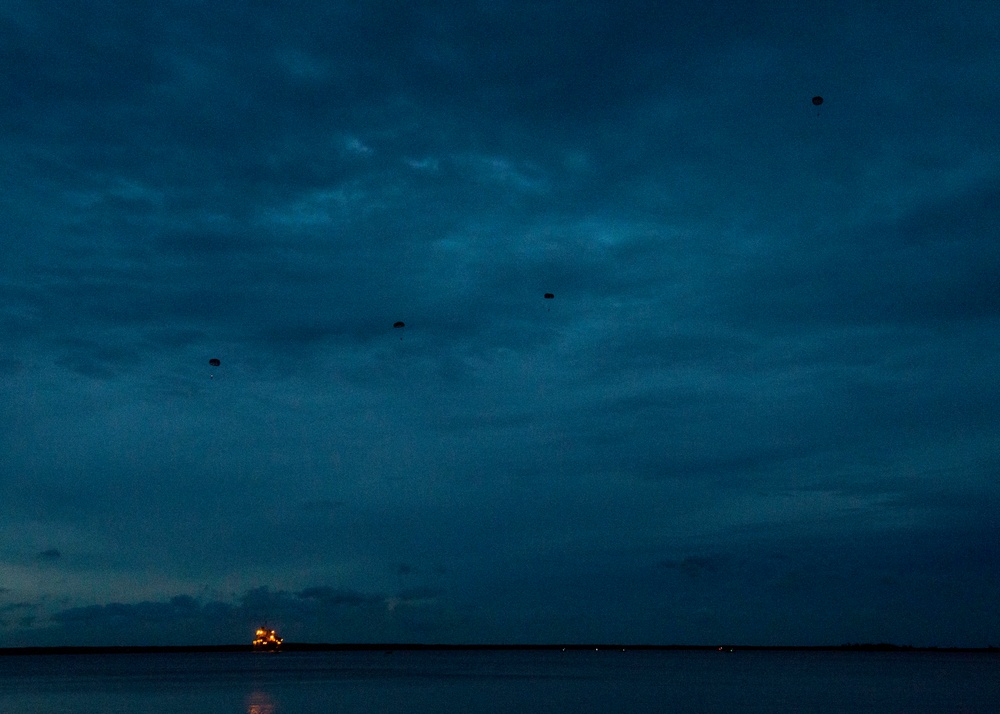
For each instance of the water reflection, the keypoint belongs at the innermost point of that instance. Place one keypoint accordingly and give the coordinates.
(260, 703)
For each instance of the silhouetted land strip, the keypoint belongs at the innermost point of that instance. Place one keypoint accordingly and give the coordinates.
(409, 646)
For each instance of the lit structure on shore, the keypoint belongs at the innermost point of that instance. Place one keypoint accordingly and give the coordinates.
(267, 640)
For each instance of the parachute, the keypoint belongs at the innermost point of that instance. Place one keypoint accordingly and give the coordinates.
(549, 296)
(214, 362)
(817, 100)
(399, 324)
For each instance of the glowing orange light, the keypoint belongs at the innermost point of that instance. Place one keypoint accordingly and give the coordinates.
(267, 639)
(260, 703)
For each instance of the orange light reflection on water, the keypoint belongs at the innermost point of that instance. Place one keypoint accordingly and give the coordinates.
(260, 703)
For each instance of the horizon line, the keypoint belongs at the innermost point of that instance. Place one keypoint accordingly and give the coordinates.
(389, 647)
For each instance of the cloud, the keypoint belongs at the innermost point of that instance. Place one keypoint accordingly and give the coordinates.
(921, 268)
(331, 596)
(764, 318)
(313, 614)
(694, 565)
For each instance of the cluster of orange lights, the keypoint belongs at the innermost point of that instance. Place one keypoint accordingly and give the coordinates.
(266, 638)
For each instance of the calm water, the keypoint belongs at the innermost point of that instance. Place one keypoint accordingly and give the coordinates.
(519, 682)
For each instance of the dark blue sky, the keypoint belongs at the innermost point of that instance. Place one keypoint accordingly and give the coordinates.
(761, 407)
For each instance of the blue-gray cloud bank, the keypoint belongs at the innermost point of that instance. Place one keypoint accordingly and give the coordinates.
(759, 407)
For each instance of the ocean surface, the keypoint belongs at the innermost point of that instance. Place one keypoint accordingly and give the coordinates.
(518, 682)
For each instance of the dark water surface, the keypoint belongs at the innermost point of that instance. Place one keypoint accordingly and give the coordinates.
(518, 682)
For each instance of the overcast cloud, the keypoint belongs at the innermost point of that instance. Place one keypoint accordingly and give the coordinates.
(761, 407)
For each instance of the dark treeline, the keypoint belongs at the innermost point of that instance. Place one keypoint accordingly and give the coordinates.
(403, 647)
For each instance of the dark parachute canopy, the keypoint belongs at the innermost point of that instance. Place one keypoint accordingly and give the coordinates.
(399, 324)
(817, 100)
(549, 296)
(214, 362)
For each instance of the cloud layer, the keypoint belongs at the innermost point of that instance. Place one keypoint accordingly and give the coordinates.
(765, 380)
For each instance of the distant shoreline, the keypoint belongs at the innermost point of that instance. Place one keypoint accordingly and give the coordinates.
(402, 647)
